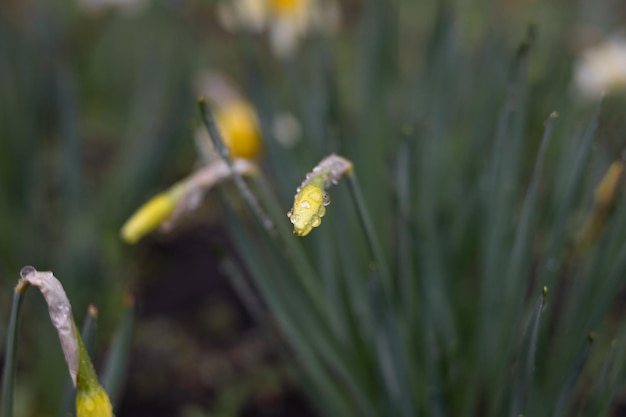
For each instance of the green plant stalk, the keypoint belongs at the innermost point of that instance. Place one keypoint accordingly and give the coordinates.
(8, 377)
(221, 149)
(88, 334)
(115, 368)
(565, 395)
(566, 201)
(372, 239)
(304, 271)
(406, 276)
(527, 360)
(314, 346)
(391, 356)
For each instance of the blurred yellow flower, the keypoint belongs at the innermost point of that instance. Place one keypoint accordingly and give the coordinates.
(608, 187)
(601, 69)
(287, 21)
(151, 215)
(93, 402)
(287, 6)
(605, 195)
(239, 127)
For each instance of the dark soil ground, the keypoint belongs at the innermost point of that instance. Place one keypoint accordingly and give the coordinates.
(196, 350)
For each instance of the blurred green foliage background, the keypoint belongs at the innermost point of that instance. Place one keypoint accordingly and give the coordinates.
(97, 113)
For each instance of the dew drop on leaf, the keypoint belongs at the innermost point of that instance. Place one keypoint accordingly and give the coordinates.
(27, 271)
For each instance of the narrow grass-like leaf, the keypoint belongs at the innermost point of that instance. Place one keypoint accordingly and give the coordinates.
(313, 373)
(609, 379)
(391, 356)
(518, 263)
(406, 279)
(302, 327)
(527, 360)
(8, 375)
(498, 204)
(216, 138)
(292, 249)
(301, 266)
(518, 269)
(116, 363)
(375, 247)
(565, 395)
(558, 234)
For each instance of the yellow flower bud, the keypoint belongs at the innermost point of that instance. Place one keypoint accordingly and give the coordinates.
(151, 215)
(606, 190)
(93, 402)
(309, 204)
(308, 209)
(285, 7)
(605, 195)
(239, 128)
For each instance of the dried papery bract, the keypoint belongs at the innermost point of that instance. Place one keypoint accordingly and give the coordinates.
(202, 181)
(311, 197)
(91, 399)
(60, 312)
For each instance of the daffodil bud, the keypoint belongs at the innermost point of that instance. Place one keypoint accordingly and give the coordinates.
(93, 403)
(605, 195)
(239, 128)
(167, 208)
(308, 209)
(607, 189)
(311, 199)
(149, 216)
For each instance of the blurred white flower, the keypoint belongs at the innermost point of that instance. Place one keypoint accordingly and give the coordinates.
(286, 129)
(235, 15)
(601, 69)
(287, 21)
(127, 7)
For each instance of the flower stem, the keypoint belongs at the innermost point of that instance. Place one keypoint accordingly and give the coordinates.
(8, 377)
(222, 150)
(292, 252)
(372, 238)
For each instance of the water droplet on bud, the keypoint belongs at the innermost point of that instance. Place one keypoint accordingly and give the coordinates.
(315, 221)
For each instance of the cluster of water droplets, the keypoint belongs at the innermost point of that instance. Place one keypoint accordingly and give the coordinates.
(310, 208)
